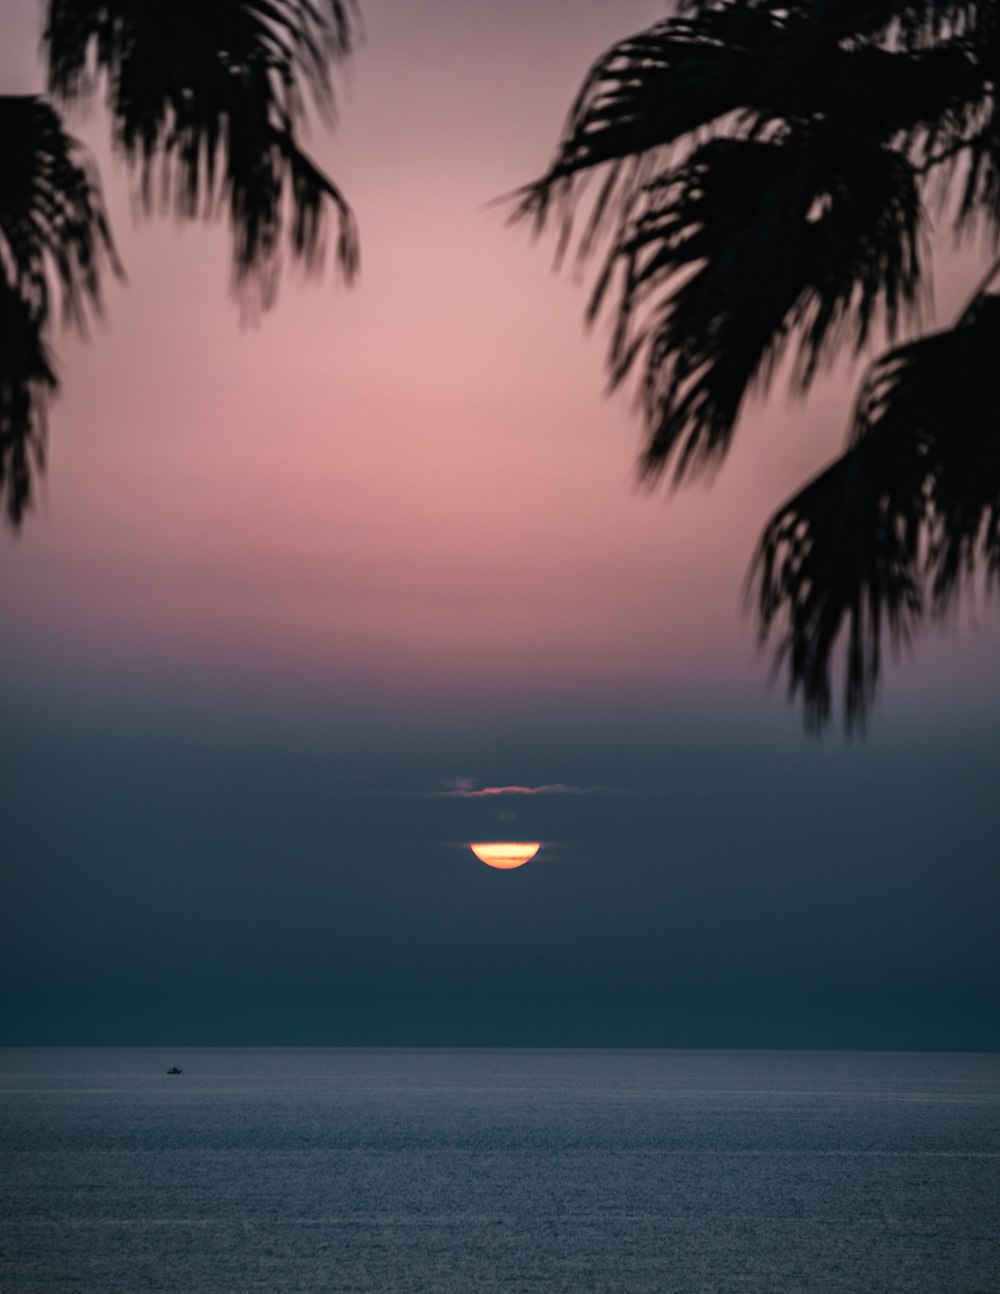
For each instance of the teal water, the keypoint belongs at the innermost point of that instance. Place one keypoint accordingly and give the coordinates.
(460, 1172)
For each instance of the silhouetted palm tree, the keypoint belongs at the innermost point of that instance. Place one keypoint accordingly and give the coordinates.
(765, 170)
(207, 101)
(54, 237)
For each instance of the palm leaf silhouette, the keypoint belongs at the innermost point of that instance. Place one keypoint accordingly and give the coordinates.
(54, 241)
(896, 526)
(207, 103)
(821, 240)
(765, 171)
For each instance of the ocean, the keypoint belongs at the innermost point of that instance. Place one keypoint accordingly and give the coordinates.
(467, 1171)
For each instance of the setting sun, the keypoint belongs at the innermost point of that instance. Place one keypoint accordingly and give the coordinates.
(505, 854)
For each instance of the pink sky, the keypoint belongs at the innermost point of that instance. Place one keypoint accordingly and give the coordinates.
(418, 479)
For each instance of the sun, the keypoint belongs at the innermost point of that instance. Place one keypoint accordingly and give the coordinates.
(506, 854)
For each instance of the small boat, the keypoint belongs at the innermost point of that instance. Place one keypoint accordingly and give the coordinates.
(173, 1070)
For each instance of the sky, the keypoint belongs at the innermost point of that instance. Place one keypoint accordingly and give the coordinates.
(289, 582)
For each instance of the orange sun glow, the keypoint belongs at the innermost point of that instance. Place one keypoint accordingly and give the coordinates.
(505, 854)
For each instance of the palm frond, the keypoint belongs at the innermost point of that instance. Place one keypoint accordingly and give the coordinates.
(912, 22)
(711, 288)
(764, 168)
(980, 200)
(950, 391)
(644, 95)
(54, 238)
(736, 66)
(762, 175)
(207, 104)
(27, 380)
(897, 526)
(839, 562)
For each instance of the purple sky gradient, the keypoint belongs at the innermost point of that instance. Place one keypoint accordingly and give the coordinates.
(417, 483)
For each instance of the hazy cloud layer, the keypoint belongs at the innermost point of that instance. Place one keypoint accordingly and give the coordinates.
(464, 788)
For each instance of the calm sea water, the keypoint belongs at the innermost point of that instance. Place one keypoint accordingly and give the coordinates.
(460, 1172)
